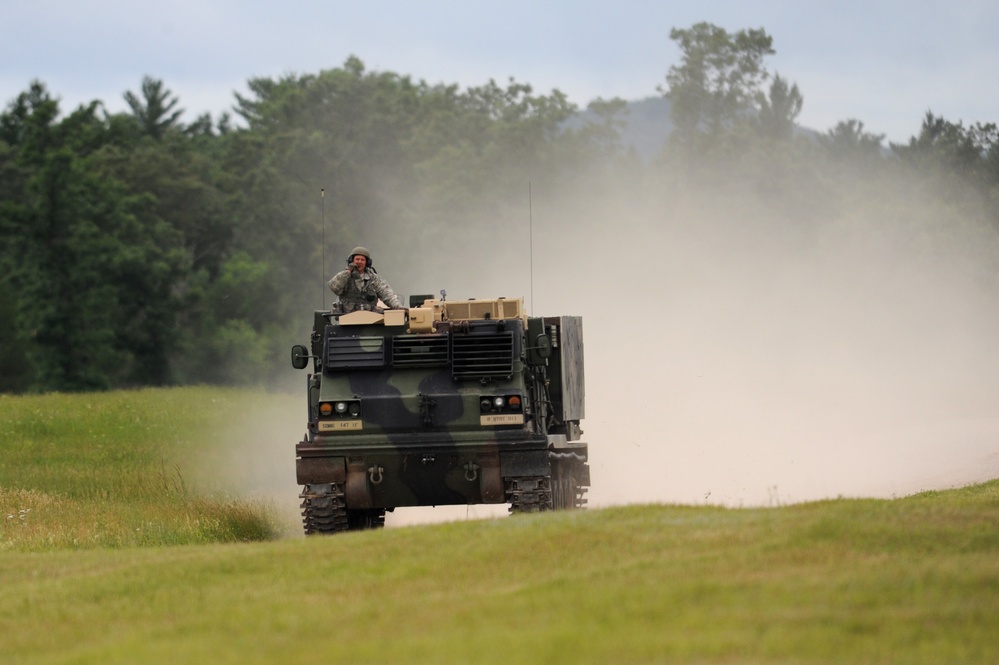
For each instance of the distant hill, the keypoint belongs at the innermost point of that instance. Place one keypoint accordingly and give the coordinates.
(648, 125)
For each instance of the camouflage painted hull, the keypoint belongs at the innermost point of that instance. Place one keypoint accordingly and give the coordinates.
(429, 408)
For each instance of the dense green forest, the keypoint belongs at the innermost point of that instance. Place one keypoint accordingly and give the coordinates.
(140, 250)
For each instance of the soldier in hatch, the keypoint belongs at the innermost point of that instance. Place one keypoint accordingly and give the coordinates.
(360, 287)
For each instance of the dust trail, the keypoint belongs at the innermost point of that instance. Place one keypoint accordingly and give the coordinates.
(737, 357)
(753, 344)
(252, 455)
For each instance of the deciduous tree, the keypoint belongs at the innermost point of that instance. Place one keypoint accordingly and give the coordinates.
(718, 82)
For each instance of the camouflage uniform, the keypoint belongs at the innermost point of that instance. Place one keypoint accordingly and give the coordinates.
(362, 290)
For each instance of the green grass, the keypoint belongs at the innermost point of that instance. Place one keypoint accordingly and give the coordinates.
(112, 470)
(910, 580)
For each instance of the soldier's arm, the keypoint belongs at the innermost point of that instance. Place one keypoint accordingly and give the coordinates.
(387, 295)
(339, 282)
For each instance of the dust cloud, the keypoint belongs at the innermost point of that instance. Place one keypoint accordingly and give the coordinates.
(750, 345)
(744, 358)
(746, 343)
(251, 453)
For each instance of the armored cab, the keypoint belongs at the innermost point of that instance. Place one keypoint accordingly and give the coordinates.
(448, 402)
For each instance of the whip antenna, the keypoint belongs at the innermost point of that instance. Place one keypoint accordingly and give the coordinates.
(322, 280)
(530, 217)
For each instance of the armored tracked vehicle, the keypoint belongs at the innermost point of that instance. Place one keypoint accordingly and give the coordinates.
(444, 403)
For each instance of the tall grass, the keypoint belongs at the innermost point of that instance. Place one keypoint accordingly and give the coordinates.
(105, 470)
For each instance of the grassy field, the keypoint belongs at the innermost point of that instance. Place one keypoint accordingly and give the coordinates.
(122, 469)
(910, 580)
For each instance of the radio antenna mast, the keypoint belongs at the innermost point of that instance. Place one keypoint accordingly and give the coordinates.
(322, 278)
(530, 217)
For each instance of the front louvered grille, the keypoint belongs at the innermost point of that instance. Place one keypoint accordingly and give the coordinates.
(484, 355)
(355, 352)
(419, 351)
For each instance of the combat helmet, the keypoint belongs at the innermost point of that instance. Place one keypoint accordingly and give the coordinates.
(363, 251)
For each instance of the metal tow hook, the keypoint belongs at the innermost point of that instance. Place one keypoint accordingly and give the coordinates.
(471, 471)
(376, 474)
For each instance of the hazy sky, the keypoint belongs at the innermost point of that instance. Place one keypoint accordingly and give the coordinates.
(885, 62)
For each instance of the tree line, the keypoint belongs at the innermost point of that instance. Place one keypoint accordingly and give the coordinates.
(140, 250)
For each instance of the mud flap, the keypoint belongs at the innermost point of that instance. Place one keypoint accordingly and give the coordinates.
(320, 470)
(526, 463)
